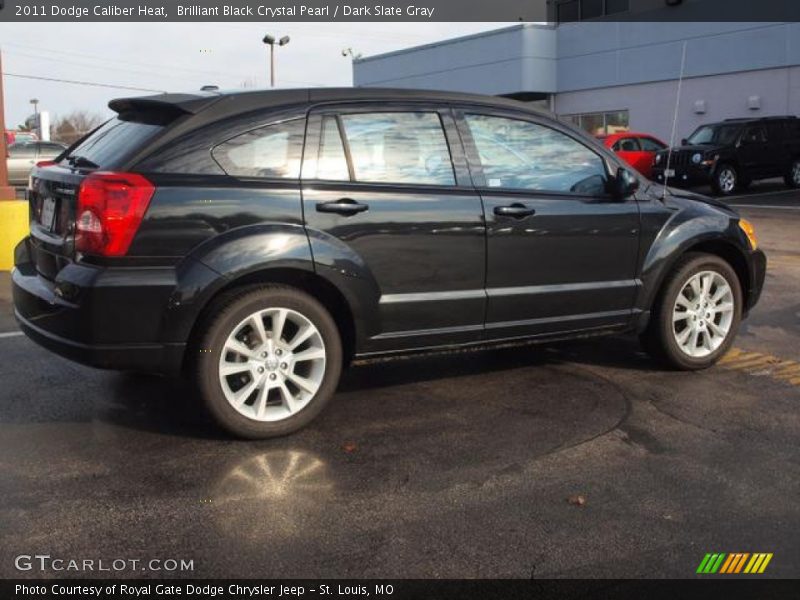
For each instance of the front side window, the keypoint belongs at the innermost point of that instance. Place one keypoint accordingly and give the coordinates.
(627, 145)
(272, 152)
(398, 147)
(651, 145)
(518, 154)
(719, 134)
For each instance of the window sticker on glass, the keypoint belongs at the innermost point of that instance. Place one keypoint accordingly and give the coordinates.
(494, 182)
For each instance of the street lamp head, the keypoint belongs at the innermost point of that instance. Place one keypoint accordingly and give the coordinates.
(268, 39)
(34, 101)
(284, 40)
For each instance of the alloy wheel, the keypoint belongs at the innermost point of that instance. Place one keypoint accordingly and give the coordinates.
(703, 314)
(272, 364)
(727, 180)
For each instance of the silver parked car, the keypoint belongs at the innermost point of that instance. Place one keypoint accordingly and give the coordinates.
(23, 156)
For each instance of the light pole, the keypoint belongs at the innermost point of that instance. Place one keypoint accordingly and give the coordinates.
(271, 41)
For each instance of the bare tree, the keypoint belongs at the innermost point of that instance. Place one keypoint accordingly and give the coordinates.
(74, 125)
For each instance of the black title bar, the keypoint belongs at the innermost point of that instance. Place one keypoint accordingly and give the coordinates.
(397, 10)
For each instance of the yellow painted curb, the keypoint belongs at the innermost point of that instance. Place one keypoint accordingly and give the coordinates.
(13, 227)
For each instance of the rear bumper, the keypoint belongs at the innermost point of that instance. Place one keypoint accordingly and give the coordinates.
(161, 358)
(102, 317)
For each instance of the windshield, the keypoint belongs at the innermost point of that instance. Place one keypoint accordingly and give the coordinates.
(715, 134)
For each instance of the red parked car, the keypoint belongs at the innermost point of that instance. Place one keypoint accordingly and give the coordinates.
(637, 149)
(16, 137)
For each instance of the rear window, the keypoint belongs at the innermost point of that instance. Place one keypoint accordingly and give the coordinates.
(114, 140)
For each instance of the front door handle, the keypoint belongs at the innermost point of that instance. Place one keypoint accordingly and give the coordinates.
(516, 210)
(344, 206)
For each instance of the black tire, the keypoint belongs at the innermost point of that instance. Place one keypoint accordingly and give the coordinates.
(792, 176)
(659, 338)
(720, 182)
(224, 316)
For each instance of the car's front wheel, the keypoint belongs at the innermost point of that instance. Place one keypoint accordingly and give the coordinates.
(268, 361)
(698, 313)
(725, 180)
(792, 177)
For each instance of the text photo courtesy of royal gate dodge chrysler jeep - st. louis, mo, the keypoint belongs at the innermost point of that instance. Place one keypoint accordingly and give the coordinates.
(356, 301)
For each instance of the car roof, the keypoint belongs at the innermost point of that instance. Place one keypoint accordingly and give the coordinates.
(613, 137)
(240, 101)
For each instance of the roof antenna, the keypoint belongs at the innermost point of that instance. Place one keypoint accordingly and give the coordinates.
(674, 123)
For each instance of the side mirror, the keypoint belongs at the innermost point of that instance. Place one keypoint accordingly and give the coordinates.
(684, 142)
(625, 183)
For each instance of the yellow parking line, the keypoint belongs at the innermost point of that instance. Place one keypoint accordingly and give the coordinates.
(751, 362)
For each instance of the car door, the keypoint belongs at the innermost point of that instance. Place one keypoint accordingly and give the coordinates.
(754, 153)
(629, 150)
(21, 159)
(561, 251)
(650, 146)
(387, 197)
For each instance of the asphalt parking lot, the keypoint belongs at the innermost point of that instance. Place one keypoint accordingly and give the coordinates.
(567, 460)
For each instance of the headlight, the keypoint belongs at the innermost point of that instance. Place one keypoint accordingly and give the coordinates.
(658, 158)
(697, 158)
(749, 231)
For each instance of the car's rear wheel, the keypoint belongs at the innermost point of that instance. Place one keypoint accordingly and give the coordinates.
(698, 313)
(268, 361)
(792, 176)
(725, 180)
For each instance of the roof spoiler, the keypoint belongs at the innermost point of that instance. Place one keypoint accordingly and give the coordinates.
(171, 105)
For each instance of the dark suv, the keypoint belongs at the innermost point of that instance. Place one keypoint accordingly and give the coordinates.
(731, 154)
(258, 241)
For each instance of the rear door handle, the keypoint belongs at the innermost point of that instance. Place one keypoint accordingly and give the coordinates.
(344, 206)
(515, 210)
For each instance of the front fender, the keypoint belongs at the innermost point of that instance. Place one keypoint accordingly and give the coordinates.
(686, 225)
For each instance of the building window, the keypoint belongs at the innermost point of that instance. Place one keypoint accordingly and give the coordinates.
(582, 10)
(600, 123)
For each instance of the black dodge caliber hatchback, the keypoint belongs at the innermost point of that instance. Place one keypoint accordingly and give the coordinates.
(258, 241)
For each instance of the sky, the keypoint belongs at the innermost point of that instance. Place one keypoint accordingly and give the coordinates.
(186, 56)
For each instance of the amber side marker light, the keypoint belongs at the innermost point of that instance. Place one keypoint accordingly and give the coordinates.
(749, 231)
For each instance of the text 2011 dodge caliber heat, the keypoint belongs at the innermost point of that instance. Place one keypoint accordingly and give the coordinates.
(256, 242)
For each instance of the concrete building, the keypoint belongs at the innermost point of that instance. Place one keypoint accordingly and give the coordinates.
(608, 76)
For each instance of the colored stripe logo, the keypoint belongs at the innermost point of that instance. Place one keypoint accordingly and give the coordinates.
(734, 563)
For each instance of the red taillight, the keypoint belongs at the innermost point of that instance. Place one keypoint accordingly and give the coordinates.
(110, 210)
(45, 163)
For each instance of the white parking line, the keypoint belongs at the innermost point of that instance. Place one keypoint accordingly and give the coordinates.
(765, 206)
(9, 334)
(772, 193)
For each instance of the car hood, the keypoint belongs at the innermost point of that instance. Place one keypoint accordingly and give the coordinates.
(702, 148)
(680, 194)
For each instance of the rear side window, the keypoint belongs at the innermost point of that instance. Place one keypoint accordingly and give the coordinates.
(22, 150)
(114, 140)
(272, 152)
(331, 160)
(398, 147)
